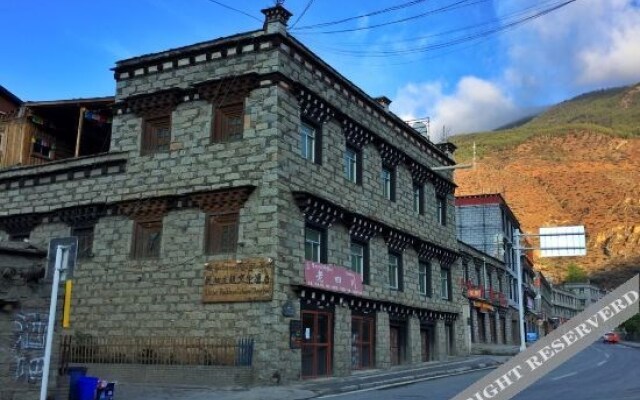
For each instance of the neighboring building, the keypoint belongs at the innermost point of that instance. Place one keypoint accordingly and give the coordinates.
(40, 132)
(9, 102)
(565, 305)
(586, 293)
(492, 320)
(250, 191)
(486, 223)
(24, 311)
(544, 299)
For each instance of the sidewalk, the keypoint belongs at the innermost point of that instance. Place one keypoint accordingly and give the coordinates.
(309, 389)
(630, 344)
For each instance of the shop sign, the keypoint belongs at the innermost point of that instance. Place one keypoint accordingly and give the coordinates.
(483, 307)
(238, 280)
(332, 277)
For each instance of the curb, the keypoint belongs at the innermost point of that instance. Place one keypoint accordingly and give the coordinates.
(404, 380)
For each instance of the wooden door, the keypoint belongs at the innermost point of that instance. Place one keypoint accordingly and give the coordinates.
(317, 343)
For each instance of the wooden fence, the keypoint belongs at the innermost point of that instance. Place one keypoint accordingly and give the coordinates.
(155, 350)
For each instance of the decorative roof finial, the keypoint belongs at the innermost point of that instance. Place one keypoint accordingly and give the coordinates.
(276, 18)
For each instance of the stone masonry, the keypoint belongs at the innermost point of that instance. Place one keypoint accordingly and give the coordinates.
(115, 295)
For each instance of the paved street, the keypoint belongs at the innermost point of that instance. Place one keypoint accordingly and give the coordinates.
(600, 372)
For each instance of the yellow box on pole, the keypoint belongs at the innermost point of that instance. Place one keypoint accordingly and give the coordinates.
(66, 312)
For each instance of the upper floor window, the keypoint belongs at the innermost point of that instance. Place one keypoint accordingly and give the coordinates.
(445, 283)
(395, 271)
(85, 241)
(147, 236)
(352, 165)
(310, 142)
(424, 278)
(315, 244)
(360, 259)
(156, 135)
(418, 198)
(388, 183)
(229, 123)
(442, 209)
(222, 233)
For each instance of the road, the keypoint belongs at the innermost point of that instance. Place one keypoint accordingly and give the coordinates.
(600, 372)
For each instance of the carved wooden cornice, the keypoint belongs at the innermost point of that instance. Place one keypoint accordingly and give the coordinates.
(228, 200)
(149, 104)
(355, 134)
(363, 228)
(318, 211)
(82, 215)
(398, 241)
(227, 89)
(390, 155)
(313, 107)
(20, 224)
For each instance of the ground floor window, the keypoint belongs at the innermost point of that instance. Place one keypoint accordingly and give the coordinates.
(317, 343)
(492, 328)
(482, 328)
(362, 341)
(503, 326)
(449, 338)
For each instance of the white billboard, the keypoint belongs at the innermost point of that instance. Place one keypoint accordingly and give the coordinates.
(563, 241)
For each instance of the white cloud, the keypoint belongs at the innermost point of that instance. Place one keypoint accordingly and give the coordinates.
(475, 105)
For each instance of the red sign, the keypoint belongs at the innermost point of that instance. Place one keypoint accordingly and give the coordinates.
(332, 277)
(474, 293)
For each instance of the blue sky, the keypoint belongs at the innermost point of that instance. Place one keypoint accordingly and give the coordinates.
(65, 49)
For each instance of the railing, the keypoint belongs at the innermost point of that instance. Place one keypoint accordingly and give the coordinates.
(156, 350)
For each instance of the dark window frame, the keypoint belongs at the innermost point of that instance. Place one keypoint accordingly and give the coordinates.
(86, 238)
(357, 179)
(222, 131)
(392, 182)
(151, 142)
(420, 189)
(140, 240)
(441, 209)
(400, 273)
(215, 233)
(365, 258)
(449, 296)
(323, 242)
(428, 278)
(317, 140)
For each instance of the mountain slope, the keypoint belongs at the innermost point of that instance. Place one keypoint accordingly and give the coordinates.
(577, 163)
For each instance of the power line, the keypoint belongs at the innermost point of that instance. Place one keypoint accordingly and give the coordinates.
(377, 12)
(235, 9)
(452, 6)
(309, 3)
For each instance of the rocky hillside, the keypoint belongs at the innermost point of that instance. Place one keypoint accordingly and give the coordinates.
(577, 163)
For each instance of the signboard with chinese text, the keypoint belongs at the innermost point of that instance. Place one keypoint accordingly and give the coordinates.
(332, 277)
(238, 280)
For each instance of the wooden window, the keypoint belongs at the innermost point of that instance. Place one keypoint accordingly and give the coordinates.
(85, 241)
(310, 142)
(353, 165)
(156, 136)
(147, 237)
(442, 209)
(222, 234)
(424, 278)
(229, 123)
(360, 259)
(395, 271)
(445, 283)
(418, 198)
(362, 342)
(388, 177)
(315, 244)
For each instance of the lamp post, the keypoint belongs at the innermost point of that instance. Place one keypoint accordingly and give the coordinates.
(518, 251)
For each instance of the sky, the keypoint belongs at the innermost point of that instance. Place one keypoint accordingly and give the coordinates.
(467, 65)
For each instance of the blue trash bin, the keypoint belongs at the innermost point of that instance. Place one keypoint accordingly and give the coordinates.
(75, 373)
(87, 386)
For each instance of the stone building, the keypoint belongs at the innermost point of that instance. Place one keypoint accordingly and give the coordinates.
(586, 293)
(544, 299)
(494, 324)
(251, 191)
(565, 305)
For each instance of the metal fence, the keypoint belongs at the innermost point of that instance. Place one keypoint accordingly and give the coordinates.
(156, 350)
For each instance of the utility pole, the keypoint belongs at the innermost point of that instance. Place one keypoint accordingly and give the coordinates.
(518, 250)
(62, 258)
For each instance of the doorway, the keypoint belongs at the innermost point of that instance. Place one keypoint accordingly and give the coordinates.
(398, 342)
(427, 340)
(317, 343)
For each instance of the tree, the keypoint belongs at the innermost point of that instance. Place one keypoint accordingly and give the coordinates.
(632, 327)
(575, 274)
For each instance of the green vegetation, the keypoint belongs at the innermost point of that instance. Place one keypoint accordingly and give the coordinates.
(575, 274)
(632, 327)
(612, 112)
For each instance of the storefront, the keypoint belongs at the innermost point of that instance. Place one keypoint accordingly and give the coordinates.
(363, 336)
(317, 341)
(427, 341)
(398, 340)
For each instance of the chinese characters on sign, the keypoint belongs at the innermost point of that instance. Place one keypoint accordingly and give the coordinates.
(29, 333)
(332, 277)
(231, 281)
